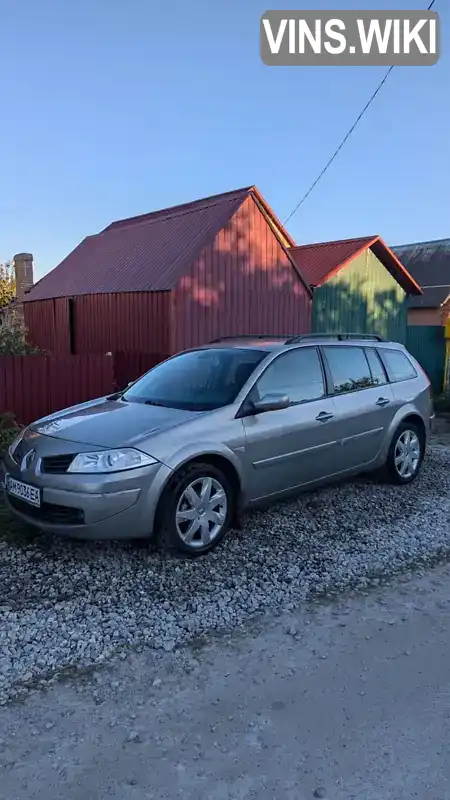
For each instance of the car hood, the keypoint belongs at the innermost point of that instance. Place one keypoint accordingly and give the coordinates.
(111, 423)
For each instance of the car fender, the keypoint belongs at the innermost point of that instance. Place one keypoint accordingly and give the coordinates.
(206, 448)
(181, 457)
(399, 416)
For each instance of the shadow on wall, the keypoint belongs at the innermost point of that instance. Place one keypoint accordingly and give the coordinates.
(242, 283)
(341, 307)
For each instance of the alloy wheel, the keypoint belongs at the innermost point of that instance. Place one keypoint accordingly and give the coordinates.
(201, 512)
(407, 454)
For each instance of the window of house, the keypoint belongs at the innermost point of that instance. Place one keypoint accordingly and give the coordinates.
(376, 367)
(398, 365)
(297, 373)
(349, 368)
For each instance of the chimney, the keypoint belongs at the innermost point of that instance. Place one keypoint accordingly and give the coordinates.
(23, 268)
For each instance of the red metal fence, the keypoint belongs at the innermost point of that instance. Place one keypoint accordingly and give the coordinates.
(129, 366)
(34, 386)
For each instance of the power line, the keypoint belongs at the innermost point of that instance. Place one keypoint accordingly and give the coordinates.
(347, 136)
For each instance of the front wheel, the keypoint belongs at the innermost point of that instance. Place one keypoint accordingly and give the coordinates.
(196, 510)
(405, 454)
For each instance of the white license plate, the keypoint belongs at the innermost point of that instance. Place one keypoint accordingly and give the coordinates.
(29, 494)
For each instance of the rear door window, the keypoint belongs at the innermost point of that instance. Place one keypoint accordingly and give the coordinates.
(398, 365)
(349, 368)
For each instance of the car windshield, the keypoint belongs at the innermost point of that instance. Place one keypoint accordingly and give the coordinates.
(199, 380)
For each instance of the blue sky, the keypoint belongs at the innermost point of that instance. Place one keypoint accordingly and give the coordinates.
(111, 109)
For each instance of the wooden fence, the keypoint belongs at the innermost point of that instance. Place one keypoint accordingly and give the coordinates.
(34, 386)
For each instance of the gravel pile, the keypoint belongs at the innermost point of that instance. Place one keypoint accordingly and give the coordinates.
(65, 606)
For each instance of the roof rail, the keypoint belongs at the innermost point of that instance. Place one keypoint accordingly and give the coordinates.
(339, 336)
(273, 336)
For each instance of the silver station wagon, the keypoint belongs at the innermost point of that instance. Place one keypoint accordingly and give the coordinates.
(181, 451)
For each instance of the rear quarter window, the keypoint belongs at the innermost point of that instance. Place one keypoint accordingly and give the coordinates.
(398, 365)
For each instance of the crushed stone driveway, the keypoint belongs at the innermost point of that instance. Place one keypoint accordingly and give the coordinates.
(65, 607)
(348, 700)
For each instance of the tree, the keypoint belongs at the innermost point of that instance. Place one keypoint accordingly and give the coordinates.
(7, 283)
(13, 337)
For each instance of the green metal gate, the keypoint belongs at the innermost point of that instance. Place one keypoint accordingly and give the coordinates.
(427, 344)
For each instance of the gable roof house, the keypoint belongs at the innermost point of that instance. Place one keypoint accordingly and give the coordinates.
(360, 286)
(173, 279)
(429, 262)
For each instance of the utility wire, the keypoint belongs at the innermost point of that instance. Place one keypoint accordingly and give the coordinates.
(346, 137)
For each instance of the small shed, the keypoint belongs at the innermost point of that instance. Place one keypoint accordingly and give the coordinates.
(429, 263)
(428, 314)
(173, 279)
(359, 285)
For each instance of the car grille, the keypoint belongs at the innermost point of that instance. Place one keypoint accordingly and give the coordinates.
(49, 512)
(56, 465)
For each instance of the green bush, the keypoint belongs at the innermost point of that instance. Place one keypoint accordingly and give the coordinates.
(8, 430)
(13, 337)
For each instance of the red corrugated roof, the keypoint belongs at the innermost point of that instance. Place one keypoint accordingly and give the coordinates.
(141, 254)
(319, 262)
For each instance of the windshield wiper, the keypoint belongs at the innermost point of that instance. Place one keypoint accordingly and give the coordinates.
(117, 396)
(153, 403)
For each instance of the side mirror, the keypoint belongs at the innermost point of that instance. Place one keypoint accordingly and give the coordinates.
(270, 402)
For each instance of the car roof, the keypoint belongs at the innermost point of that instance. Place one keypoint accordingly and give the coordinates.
(275, 343)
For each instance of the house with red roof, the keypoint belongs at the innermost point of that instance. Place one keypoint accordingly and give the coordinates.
(174, 279)
(429, 263)
(359, 285)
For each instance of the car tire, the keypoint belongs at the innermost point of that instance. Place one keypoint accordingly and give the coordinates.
(186, 520)
(406, 454)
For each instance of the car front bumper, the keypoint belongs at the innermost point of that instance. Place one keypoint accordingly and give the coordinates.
(116, 506)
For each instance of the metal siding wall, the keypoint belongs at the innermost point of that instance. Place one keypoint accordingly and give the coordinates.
(427, 344)
(134, 321)
(363, 297)
(40, 322)
(242, 283)
(62, 331)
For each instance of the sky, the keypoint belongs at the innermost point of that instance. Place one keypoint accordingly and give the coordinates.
(111, 109)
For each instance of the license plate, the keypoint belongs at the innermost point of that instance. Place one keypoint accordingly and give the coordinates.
(29, 494)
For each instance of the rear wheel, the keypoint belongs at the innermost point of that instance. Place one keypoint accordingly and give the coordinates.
(196, 510)
(405, 453)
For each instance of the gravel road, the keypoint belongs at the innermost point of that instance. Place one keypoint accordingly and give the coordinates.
(69, 606)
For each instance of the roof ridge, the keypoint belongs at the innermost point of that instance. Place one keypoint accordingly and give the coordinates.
(180, 208)
(339, 241)
(416, 244)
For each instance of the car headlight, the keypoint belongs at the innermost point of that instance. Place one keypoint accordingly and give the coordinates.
(111, 461)
(15, 442)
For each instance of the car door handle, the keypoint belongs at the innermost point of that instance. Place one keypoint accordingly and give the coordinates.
(382, 401)
(324, 417)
